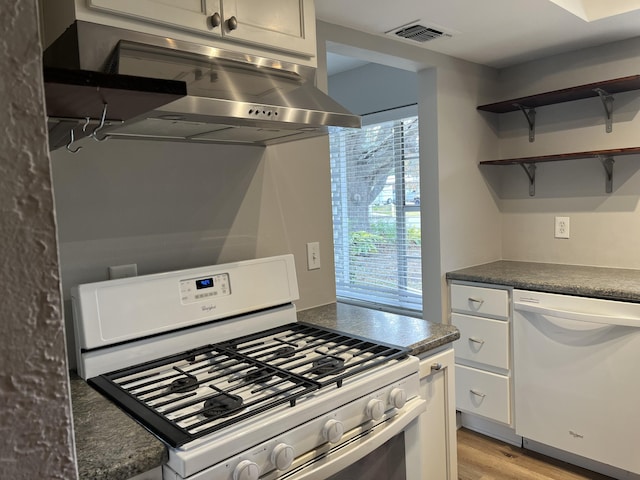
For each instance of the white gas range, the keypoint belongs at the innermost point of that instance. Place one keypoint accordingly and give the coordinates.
(213, 362)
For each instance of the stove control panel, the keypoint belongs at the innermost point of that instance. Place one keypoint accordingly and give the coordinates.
(207, 287)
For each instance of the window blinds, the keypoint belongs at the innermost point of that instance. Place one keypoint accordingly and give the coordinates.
(376, 213)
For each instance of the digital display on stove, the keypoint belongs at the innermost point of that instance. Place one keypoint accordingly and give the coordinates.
(204, 283)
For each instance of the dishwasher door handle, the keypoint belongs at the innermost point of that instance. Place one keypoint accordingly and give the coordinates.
(578, 316)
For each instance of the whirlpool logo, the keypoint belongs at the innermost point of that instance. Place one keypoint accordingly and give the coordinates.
(207, 308)
(529, 300)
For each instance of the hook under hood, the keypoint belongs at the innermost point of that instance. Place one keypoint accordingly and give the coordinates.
(230, 97)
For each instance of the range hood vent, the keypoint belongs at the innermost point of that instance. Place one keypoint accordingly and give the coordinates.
(418, 33)
(231, 97)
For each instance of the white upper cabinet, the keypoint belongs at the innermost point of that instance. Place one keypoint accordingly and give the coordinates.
(285, 25)
(195, 15)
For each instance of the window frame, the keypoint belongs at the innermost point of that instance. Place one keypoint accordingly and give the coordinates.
(370, 295)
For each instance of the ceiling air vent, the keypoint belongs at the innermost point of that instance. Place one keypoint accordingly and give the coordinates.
(418, 33)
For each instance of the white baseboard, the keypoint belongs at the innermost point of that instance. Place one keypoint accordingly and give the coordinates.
(491, 429)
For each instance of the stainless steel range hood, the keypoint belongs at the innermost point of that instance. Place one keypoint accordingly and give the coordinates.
(231, 97)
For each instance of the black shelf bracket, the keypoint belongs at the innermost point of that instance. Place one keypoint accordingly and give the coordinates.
(607, 163)
(530, 170)
(607, 103)
(530, 115)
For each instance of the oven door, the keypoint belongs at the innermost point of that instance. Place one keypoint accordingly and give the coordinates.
(388, 451)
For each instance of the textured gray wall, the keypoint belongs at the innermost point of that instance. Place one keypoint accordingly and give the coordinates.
(36, 439)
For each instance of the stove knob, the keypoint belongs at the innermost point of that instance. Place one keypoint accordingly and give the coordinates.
(282, 456)
(332, 431)
(398, 397)
(375, 409)
(246, 470)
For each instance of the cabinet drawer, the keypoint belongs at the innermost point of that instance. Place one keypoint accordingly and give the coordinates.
(480, 301)
(482, 340)
(483, 393)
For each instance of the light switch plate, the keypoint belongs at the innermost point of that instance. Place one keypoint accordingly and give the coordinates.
(313, 255)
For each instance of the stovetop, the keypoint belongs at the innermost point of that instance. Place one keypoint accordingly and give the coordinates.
(188, 395)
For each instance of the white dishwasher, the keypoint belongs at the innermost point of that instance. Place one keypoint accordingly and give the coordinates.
(577, 375)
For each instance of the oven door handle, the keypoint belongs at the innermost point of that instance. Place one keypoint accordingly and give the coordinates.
(344, 455)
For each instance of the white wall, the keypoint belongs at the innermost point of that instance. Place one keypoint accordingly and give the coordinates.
(374, 88)
(167, 206)
(37, 435)
(604, 227)
(465, 208)
(461, 223)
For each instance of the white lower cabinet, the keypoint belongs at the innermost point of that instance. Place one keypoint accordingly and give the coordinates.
(438, 423)
(483, 393)
(483, 352)
(482, 340)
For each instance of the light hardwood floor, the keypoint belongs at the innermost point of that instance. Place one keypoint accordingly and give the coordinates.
(484, 458)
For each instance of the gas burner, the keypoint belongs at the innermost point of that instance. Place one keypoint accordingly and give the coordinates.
(283, 352)
(183, 385)
(325, 365)
(221, 405)
(258, 374)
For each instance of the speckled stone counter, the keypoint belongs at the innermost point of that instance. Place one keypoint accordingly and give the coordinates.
(597, 282)
(418, 335)
(109, 444)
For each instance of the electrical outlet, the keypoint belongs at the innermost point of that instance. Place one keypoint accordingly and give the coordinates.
(123, 271)
(313, 255)
(562, 227)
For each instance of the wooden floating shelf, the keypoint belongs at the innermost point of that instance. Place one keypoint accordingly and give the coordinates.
(604, 89)
(528, 164)
(616, 85)
(615, 152)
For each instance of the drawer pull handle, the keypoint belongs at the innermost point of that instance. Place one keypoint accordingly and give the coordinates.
(215, 20)
(232, 23)
(476, 340)
(479, 301)
(479, 394)
(436, 366)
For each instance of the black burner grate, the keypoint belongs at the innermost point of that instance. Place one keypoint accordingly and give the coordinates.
(186, 396)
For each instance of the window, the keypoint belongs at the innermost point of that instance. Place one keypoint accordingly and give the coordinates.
(375, 180)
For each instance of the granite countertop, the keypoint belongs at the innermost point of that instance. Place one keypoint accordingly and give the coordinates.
(597, 282)
(110, 445)
(418, 335)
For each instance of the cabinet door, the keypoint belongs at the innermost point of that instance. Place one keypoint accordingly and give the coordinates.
(482, 340)
(194, 15)
(287, 25)
(488, 302)
(483, 393)
(438, 423)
